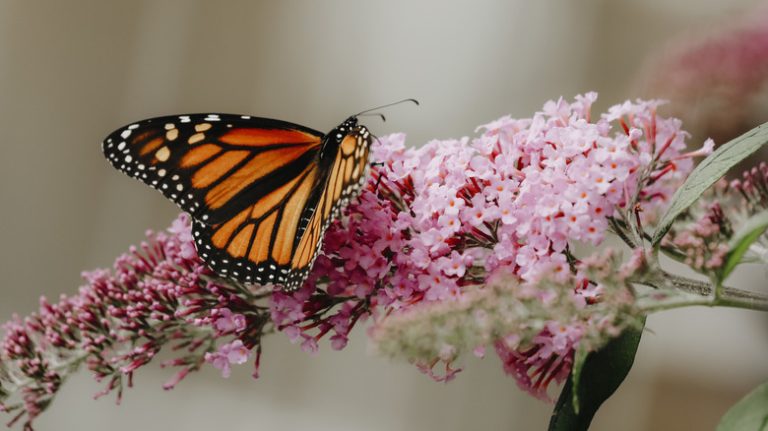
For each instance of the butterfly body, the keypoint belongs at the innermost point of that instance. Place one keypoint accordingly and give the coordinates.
(261, 192)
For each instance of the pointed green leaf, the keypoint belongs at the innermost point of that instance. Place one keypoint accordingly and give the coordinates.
(744, 237)
(596, 378)
(750, 413)
(708, 172)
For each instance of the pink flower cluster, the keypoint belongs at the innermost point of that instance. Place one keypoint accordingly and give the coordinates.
(705, 241)
(701, 237)
(753, 188)
(435, 221)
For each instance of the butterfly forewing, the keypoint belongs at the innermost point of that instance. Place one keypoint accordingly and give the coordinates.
(212, 165)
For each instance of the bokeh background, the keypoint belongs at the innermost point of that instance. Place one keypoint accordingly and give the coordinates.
(71, 72)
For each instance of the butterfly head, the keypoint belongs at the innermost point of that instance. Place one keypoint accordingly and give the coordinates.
(336, 137)
(343, 129)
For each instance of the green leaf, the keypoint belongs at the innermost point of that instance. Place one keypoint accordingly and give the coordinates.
(708, 172)
(578, 364)
(742, 239)
(750, 413)
(593, 380)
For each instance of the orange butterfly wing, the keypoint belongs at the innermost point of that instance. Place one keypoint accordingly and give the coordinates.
(261, 192)
(344, 181)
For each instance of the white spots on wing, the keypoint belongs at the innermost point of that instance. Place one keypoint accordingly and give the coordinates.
(125, 134)
(169, 126)
(179, 187)
(141, 167)
(161, 173)
(212, 117)
(120, 146)
(133, 127)
(172, 134)
(175, 178)
(245, 117)
(197, 137)
(163, 154)
(128, 159)
(184, 118)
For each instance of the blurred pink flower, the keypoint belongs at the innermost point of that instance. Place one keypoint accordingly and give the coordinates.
(716, 79)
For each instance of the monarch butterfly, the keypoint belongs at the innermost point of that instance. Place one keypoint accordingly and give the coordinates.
(261, 192)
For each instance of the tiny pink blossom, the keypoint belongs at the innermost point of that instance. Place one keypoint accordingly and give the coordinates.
(227, 354)
(226, 321)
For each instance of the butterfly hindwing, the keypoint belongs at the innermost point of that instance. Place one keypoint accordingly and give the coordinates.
(344, 181)
(256, 245)
(280, 246)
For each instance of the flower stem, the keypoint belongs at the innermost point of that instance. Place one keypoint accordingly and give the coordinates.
(703, 288)
(701, 293)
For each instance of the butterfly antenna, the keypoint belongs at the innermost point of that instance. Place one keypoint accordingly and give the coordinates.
(373, 114)
(416, 102)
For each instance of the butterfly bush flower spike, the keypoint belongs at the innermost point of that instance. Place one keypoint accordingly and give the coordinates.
(158, 295)
(420, 248)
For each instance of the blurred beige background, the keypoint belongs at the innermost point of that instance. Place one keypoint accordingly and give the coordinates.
(71, 72)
